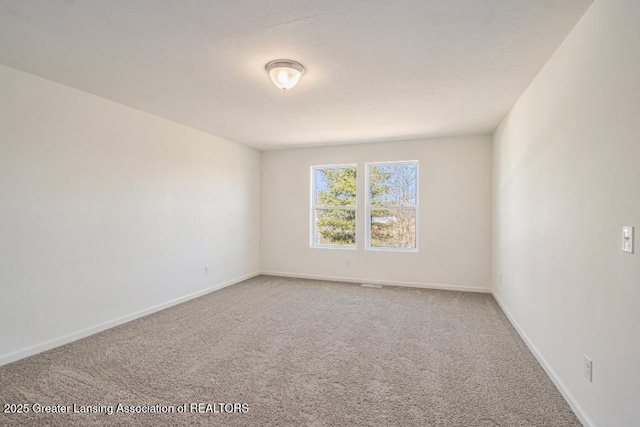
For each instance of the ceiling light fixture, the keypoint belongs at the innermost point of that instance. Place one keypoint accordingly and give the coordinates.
(285, 73)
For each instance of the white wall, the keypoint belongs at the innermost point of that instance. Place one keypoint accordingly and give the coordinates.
(454, 215)
(106, 211)
(566, 179)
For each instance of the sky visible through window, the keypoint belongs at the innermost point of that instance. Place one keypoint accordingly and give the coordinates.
(322, 185)
(393, 185)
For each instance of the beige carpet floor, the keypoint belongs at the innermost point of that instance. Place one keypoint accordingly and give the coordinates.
(299, 353)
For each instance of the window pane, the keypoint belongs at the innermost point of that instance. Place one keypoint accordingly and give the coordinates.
(335, 227)
(393, 185)
(393, 228)
(336, 187)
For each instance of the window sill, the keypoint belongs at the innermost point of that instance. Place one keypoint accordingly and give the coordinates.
(341, 247)
(376, 249)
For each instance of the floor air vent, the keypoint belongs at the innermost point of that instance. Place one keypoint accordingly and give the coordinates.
(370, 285)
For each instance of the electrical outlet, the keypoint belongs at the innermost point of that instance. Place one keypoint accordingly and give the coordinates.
(206, 270)
(627, 239)
(501, 278)
(588, 368)
(347, 261)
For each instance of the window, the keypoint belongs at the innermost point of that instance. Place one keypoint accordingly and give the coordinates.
(333, 210)
(392, 206)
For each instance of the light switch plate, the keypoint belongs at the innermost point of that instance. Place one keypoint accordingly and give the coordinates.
(627, 239)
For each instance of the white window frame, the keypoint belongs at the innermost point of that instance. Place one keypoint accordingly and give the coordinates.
(315, 206)
(368, 207)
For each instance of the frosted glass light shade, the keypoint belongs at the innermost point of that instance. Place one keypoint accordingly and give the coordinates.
(284, 73)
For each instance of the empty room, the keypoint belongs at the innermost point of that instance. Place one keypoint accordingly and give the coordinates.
(320, 213)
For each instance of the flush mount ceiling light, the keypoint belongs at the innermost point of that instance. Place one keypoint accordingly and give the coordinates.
(284, 73)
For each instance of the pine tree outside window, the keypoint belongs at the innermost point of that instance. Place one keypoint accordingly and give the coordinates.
(334, 206)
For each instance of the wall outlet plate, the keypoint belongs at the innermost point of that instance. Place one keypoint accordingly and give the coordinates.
(588, 368)
(627, 239)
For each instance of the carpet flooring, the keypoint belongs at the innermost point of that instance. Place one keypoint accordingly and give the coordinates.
(296, 353)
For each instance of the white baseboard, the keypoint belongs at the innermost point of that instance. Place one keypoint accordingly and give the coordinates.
(577, 409)
(379, 282)
(74, 336)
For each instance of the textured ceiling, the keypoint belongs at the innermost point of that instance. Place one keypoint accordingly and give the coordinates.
(376, 70)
